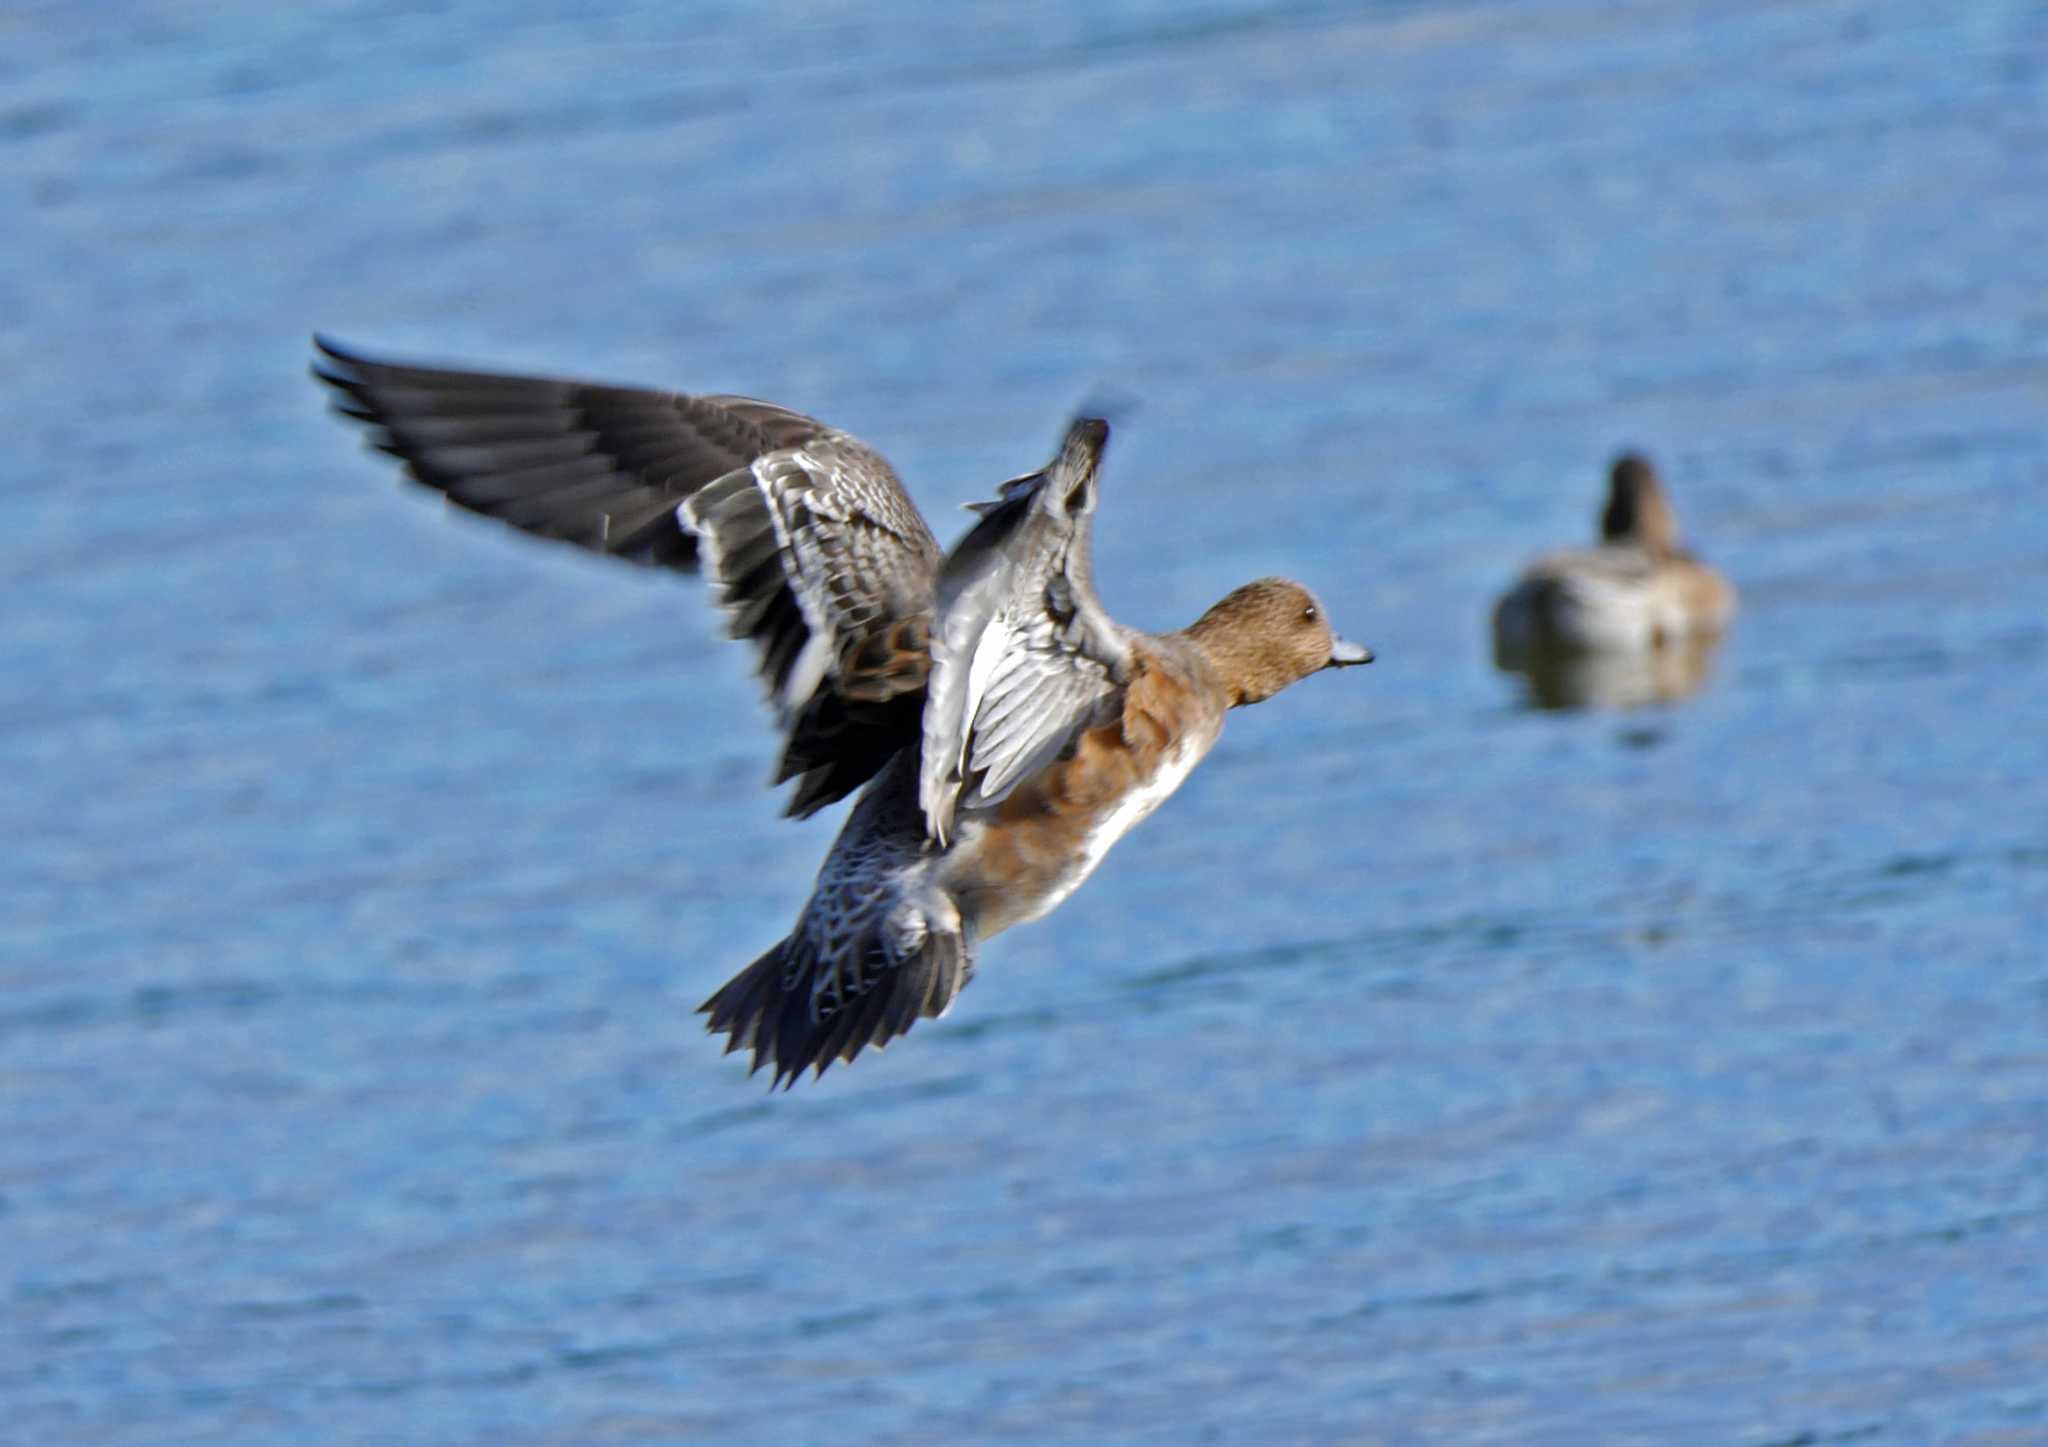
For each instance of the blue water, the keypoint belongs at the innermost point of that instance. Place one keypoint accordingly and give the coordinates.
(1431, 1069)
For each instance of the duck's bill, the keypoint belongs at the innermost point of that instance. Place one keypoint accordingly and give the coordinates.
(1344, 654)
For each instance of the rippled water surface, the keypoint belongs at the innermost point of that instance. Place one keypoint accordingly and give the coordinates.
(1433, 1068)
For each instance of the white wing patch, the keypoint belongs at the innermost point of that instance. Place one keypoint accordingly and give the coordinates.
(1023, 656)
(989, 649)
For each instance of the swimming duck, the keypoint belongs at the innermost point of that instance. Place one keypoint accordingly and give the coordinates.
(1003, 730)
(1638, 589)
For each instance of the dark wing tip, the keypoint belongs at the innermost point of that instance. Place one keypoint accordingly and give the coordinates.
(342, 370)
(332, 351)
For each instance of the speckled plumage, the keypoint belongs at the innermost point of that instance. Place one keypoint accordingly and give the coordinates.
(816, 554)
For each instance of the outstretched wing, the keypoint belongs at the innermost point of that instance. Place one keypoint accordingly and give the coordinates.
(1024, 659)
(817, 555)
(601, 467)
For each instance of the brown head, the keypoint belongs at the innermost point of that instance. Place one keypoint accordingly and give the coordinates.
(1637, 510)
(1267, 635)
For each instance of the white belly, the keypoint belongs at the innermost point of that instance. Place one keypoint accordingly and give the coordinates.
(1172, 772)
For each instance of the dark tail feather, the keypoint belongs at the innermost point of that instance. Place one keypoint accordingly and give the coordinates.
(744, 1007)
(771, 1008)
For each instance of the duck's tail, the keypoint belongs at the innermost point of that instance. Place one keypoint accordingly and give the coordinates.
(796, 1011)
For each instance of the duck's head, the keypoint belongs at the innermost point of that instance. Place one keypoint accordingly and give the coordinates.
(1637, 509)
(1269, 634)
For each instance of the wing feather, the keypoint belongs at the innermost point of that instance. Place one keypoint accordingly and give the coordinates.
(1024, 658)
(812, 547)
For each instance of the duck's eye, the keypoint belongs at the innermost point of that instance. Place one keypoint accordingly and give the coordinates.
(1308, 614)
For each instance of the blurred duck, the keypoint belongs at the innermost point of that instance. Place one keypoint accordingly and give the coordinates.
(1637, 590)
(1632, 621)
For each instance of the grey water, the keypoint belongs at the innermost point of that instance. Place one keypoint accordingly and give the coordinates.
(1432, 1068)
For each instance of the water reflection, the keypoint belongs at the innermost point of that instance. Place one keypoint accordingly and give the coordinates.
(1620, 678)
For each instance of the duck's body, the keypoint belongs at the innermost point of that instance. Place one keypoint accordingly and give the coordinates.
(888, 892)
(1019, 860)
(1007, 731)
(1612, 598)
(1636, 590)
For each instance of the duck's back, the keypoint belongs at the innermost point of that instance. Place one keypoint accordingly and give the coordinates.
(1615, 596)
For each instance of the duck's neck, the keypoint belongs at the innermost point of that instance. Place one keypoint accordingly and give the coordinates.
(1231, 658)
(1644, 521)
(1638, 514)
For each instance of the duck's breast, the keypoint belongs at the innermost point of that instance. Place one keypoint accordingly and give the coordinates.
(1019, 860)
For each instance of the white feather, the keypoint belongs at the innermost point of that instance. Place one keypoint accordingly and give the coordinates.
(981, 670)
(1129, 812)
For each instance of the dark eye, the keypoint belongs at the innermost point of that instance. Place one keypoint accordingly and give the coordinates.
(1308, 614)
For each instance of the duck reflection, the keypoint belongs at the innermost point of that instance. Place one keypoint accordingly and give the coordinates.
(1611, 679)
(1633, 620)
